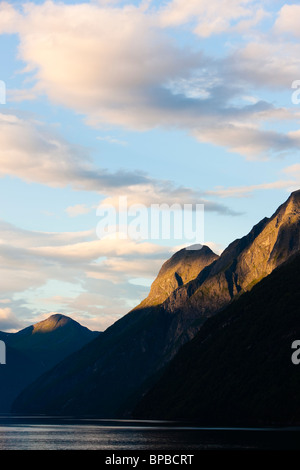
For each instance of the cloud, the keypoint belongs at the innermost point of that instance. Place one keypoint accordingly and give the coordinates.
(113, 266)
(76, 265)
(74, 273)
(249, 140)
(8, 320)
(288, 20)
(126, 69)
(32, 152)
(211, 18)
(104, 72)
(264, 63)
(112, 140)
(164, 192)
(292, 184)
(36, 154)
(25, 238)
(293, 171)
(10, 18)
(247, 191)
(78, 209)
(92, 250)
(24, 249)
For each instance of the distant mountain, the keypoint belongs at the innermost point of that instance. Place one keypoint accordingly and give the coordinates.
(108, 376)
(238, 368)
(35, 349)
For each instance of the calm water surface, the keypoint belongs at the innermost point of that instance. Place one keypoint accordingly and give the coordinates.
(40, 433)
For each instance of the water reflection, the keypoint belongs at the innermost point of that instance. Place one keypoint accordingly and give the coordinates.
(40, 433)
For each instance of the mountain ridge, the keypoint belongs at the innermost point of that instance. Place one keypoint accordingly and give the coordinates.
(110, 374)
(244, 262)
(182, 267)
(237, 371)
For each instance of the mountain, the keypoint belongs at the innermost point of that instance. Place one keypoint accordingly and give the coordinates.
(109, 375)
(35, 349)
(106, 377)
(238, 369)
(244, 263)
(182, 267)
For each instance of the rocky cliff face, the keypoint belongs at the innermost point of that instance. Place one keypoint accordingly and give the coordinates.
(182, 267)
(238, 371)
(244, 263)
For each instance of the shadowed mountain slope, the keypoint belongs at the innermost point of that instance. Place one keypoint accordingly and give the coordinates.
(105, 377)
(238, 368)
(36, 349)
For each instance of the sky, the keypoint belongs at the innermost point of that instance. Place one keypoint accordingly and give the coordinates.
(194, 104)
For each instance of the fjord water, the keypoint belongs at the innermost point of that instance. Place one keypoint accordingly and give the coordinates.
(49, 433)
